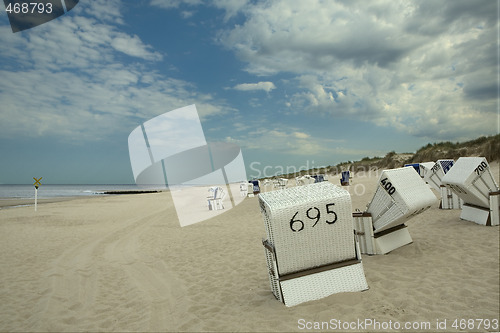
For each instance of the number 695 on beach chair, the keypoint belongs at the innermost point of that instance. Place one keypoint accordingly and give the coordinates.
(311, 248)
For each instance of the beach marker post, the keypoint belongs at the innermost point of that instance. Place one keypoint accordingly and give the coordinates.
(36, 183)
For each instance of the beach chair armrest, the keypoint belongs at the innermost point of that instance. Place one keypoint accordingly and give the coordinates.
(273, 265)
(269, 246)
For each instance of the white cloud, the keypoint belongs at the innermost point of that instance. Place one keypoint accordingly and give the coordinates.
(422, 67)
(301, 135)
(105, 11)
(64, 80)
(187, 14)
(168, 4)
(134, 47)
(231, 7)
(291, 141)
(266, 86)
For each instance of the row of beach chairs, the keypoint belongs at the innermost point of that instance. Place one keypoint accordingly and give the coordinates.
(466, 184)
(314, 241)
(256, 186)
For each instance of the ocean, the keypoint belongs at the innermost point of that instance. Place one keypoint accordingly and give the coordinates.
(56, 191)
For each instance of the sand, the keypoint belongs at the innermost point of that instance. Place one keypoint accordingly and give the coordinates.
(123, 263)
(13, 202)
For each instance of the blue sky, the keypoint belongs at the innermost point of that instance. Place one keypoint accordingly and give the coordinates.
(293, 83)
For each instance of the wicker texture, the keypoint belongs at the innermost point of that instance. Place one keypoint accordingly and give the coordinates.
(273, 278)
(316, 286)
(472, 180)
(312, 246)
(437, 172)
(425, 169)
(449, 199)
(410, 196)
(364, 229)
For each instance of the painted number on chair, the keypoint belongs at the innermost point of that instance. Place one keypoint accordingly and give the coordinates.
(481, 167)
(388, 186)
(435, 168)
(314, 214)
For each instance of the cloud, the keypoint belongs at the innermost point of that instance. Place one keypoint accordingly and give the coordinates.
(291, 141)
(266, 86)
(297, 36)
(187, 14)
(174, 3)
(301, 135)
(424, 68)
(231, 7)
(68, 80)
(134, 47)
(105, 11)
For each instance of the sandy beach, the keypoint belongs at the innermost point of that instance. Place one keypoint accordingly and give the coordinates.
(123, 263)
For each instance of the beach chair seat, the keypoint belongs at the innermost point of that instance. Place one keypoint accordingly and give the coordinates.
(280, 183)
(243, 189)
(216, 197)
(471, 179)
(311, 249)
(449, 199)
(437, 172)
(318, 178)
(308, 179)
(253, 187)
(415, 166)
(301, 180)
(266, 185)
(304, 180)
(400, 195)
(425, 169)
(344, 181)
(434, 176)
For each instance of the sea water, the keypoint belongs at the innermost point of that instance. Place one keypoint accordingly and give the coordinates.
(56, 191)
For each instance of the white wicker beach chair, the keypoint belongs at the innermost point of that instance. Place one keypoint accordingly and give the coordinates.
(243, 189)
(344, 181)
(449, 199)
(215, 198)
(415, 166)
(308, 179)
(304, 180)
(266, 185)
(400, 195)
(311, 248)
(425, 169)
(280, 183)
(253, 187)
(434, 175)
(438, 170)
(473, 182)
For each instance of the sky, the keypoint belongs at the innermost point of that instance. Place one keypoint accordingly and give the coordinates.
(294, 83)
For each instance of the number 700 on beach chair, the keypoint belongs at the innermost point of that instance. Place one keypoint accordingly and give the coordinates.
(311, 248)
